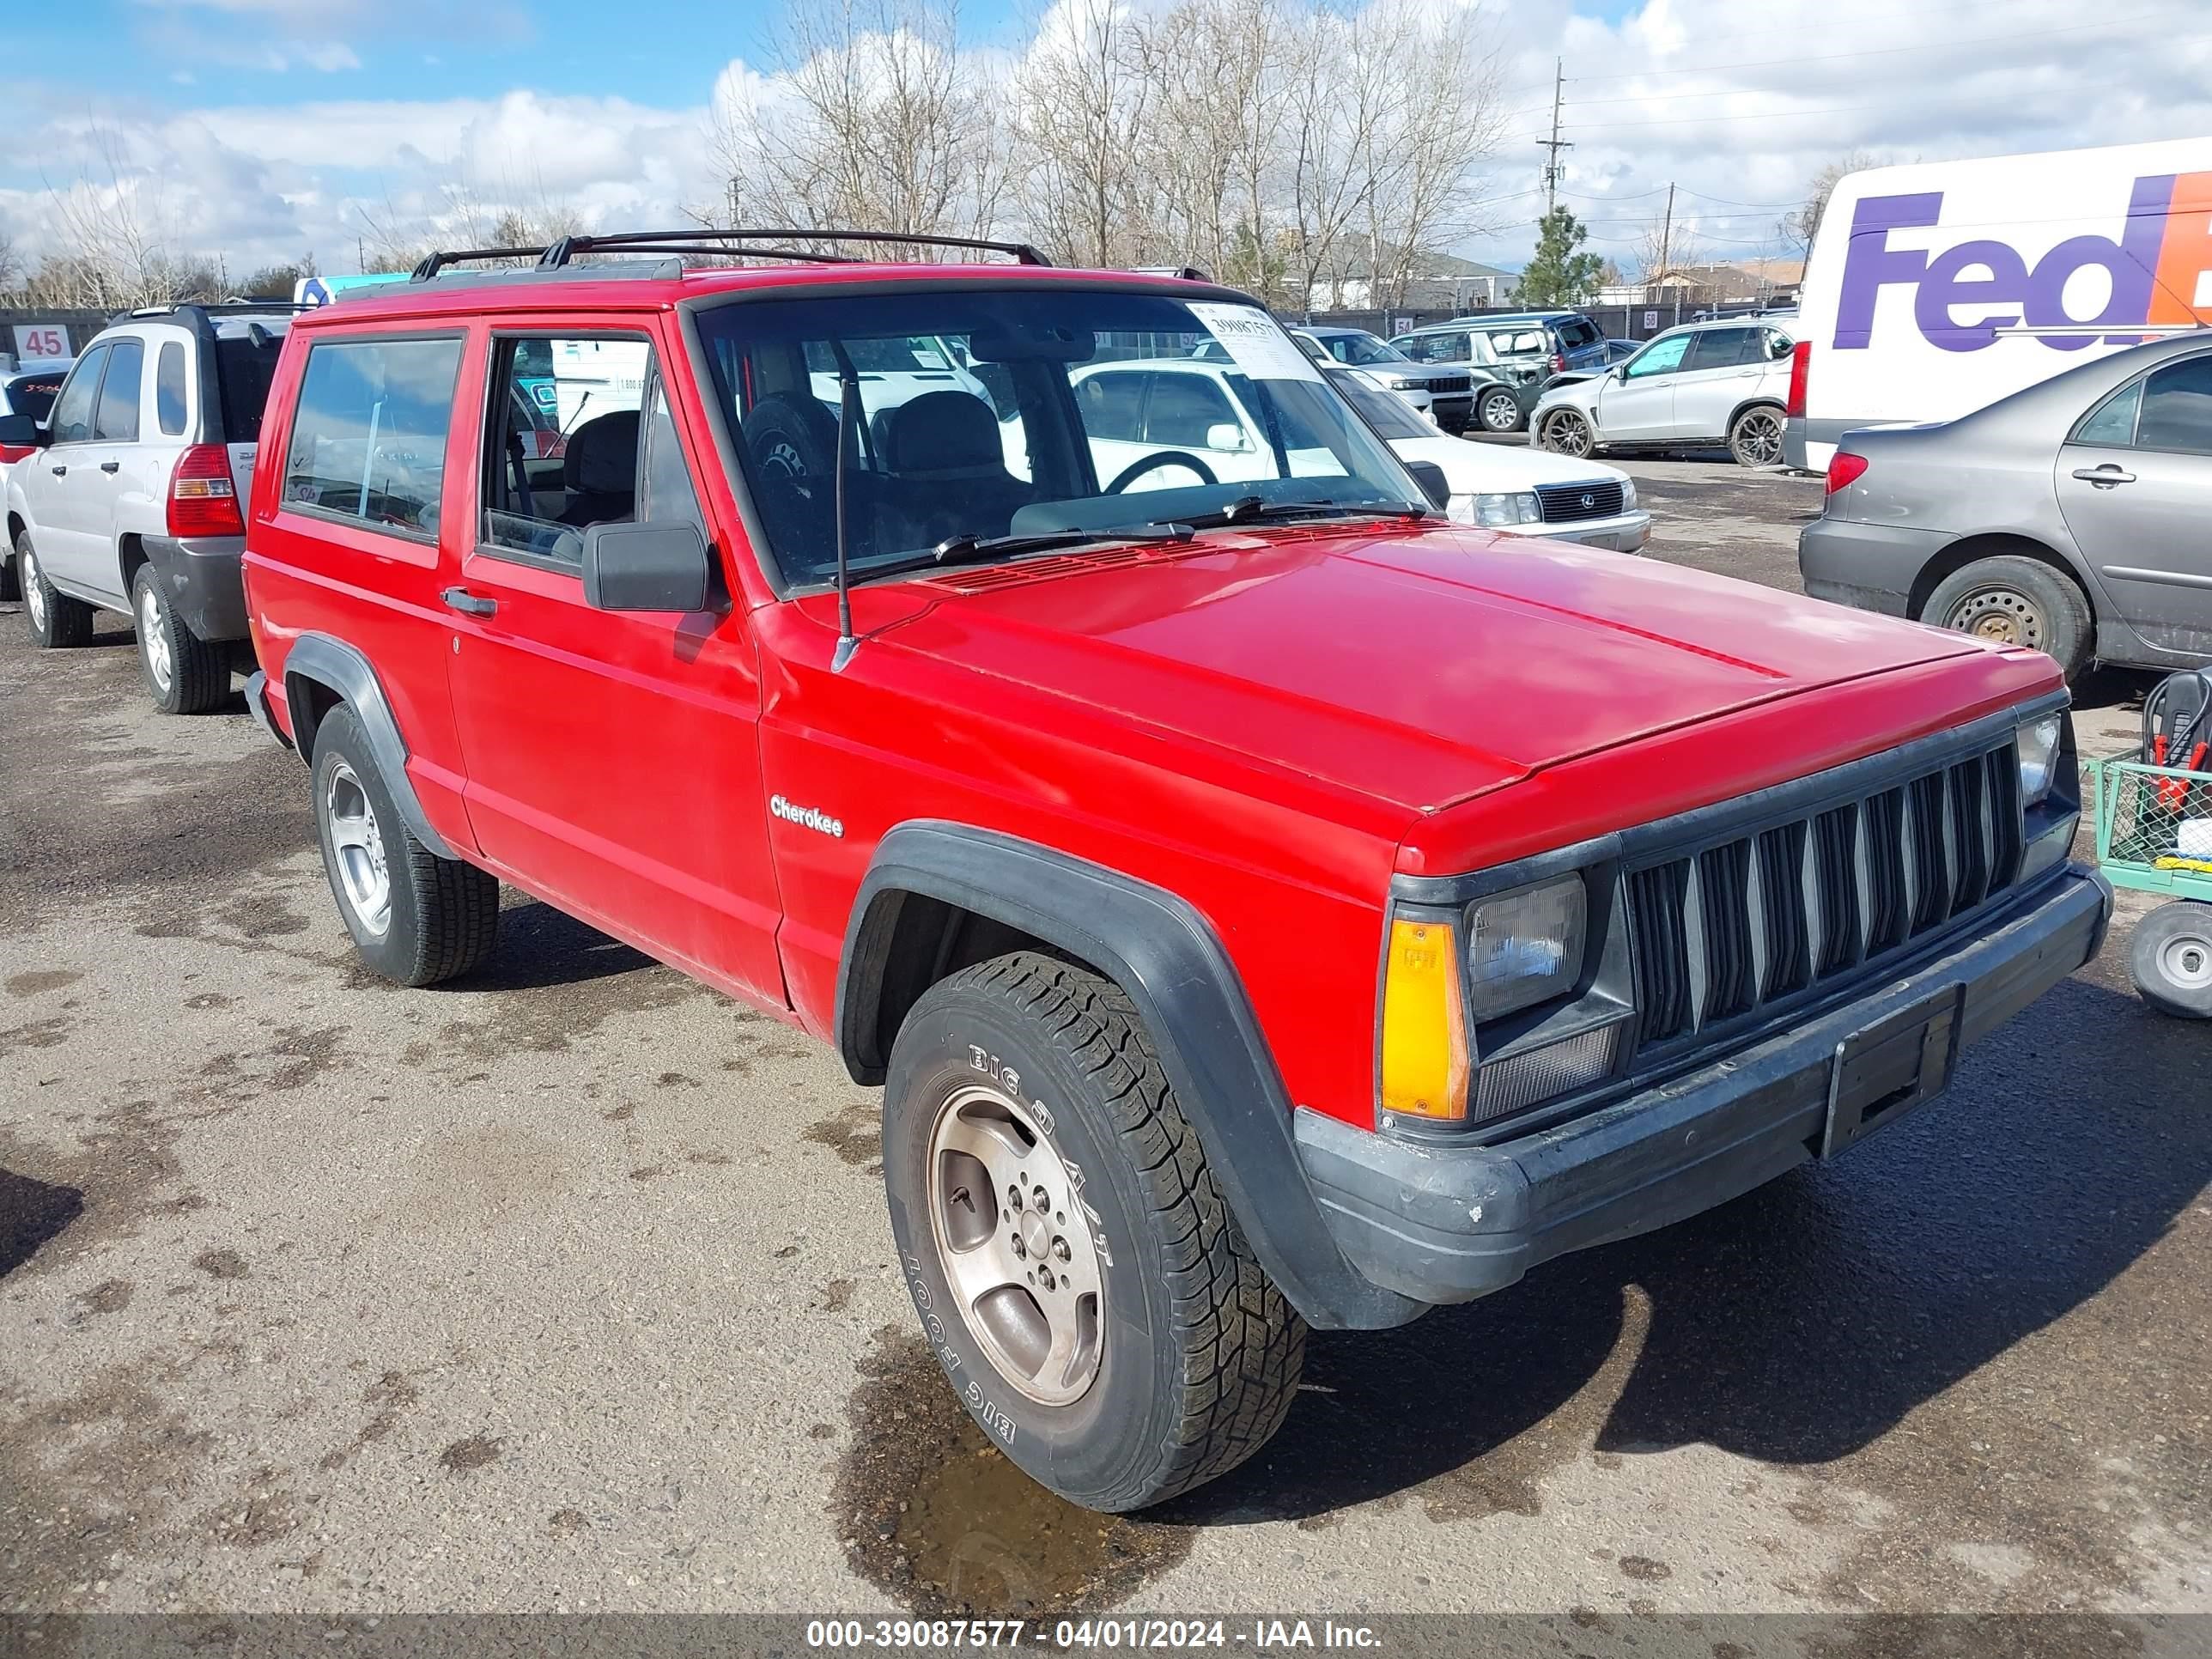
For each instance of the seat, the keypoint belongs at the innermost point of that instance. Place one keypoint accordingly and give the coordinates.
(599, 469)
(946, 471)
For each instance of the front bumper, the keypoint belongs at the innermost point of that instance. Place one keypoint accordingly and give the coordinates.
(1452, 410)
(202, 580)
(1868, 567)
(1448, 1224)
(1624, 532)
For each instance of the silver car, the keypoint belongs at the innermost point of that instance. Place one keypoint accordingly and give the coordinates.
(2069, 517)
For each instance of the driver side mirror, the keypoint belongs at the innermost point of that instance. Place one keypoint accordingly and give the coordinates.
(23, 431)
(1621, 374)
(1228, 436)
(648, 567)
(1433, 484)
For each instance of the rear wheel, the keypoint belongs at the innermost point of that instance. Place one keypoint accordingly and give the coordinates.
(11, 585)
(56, 620)
(1499, 411)
(415, 917)
(2013, 600)
(186, 674)
(1755, 437)
(1565, 432)
(1077, 1273)
(2170, 959)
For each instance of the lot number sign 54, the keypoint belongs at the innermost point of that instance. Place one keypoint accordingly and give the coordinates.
(41, 340)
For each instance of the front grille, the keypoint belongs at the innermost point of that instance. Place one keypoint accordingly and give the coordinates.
(1569, 503)
(1451, 385)
(1722, 929)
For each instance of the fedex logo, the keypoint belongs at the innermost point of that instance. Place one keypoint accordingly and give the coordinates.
(2160, 271)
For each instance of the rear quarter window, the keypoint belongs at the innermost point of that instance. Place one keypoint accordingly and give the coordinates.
(243, 369)
(368, 434)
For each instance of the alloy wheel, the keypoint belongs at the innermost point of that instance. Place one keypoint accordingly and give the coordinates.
(357, 849)
(1014, 1238)
(1567, 433)
(153, 639)
(1759, 439)
(1500, 413)
(35, 596)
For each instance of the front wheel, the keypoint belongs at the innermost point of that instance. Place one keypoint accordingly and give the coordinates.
(1499, 411)
(2170, 959)
(1078, 1274)
(1565, 432)
(57, 621)
(1755, 437)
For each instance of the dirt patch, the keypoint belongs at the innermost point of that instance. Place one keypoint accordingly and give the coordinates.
(1643, 1569)
(855, 1134)
(836, 1295)
(935, 1515)
(109, 1296)
(220, 1264)
(389, 1395)
(473, 1453)
(35, 984)
(49, 1033)
(261, 915)
(566, 1521)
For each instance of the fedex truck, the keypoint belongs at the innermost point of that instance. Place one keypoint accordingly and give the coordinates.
(1936, 288)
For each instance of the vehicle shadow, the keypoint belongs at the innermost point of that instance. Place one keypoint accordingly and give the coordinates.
(1794, 1326)
(539, 946)
(32, 1212)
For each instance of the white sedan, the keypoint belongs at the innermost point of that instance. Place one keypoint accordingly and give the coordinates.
(1527, 491)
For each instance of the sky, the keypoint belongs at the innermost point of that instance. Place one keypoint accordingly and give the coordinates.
(272, 127)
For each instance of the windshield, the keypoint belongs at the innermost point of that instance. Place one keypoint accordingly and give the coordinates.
(1361, 350)
(987, 412)
(1388, 414)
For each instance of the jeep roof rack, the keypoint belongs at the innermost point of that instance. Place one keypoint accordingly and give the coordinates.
(186, 309)
(559, 255)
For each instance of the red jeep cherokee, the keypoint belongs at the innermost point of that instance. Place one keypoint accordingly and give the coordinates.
(1265, 904)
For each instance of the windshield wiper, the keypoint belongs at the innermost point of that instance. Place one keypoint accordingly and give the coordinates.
(1247, 509)
(977, 550)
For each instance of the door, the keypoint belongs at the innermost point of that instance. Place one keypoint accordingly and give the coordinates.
(55, 481)
(2135, 484)
(1636, 404)
(118, 467)
(613, 758)
(1719, 376)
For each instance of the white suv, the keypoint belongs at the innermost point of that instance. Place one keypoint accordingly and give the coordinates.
(1708, 383)
(131, 503)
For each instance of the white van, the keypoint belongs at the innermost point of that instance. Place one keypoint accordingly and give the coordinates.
(1936, 288)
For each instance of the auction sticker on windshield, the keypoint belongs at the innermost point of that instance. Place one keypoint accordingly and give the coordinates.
(1254, 341)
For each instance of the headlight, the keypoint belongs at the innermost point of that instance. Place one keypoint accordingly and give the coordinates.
(2039, 758)
(1525, 947)
(1628, 495)
(1500, 512)
(1399, 383)
(1460, 510)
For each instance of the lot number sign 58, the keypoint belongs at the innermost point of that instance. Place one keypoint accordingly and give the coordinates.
(41, 340)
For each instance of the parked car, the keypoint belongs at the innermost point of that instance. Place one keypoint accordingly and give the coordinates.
(2069, 517)
(132, 503)
(1703, 383)
(1937, 288)
(1511, 385)
(1562, 340)
(1523, 490)
(26, 392)
(1263, 902)
(1446, 393)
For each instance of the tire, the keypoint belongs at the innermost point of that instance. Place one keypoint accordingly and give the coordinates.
(1498, 410)
(2017, 601)
(2170, 959)
(1567, 432)
(1192, 1355)
(1754, 437)
(437, 917)
(58, 621)
(11, 587)
(184, 673)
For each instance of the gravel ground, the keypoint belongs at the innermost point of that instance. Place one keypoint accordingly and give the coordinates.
(568, 1286)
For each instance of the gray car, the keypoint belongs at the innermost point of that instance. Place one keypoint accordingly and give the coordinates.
(2070, 517)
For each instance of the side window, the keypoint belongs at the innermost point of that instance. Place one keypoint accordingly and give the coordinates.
(2176, 408)
(1661, 356)
(1184, 408)
(72, 416)
(1725, 348)
(2113, 425)
(1578, 331)
(369, 435)
(590, 390)
(120, 389)
(1779, 346)
(169, 389)
(1112, 405)
(666, 494)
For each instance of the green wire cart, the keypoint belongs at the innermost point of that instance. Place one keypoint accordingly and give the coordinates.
(2154, 834)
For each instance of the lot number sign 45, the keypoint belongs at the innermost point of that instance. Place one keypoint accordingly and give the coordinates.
(41, 340)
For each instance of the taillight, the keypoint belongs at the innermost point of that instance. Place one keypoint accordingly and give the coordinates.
(1845, 469)
(1559, 362)
(1801, 368)
(203, 500)
(14, 453)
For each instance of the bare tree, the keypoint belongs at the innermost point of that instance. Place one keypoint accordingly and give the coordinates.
(1082, 111)
(877, 119)
(1801, 223)
(113, 243)
(1664, 248)
(11, 265)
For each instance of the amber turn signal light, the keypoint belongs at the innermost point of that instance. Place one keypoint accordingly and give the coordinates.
(1424, 1048)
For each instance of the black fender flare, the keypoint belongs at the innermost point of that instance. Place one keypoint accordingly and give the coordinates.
(342, 667)
(1167, 957)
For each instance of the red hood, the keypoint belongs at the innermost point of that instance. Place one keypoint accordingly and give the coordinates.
(1416, 668)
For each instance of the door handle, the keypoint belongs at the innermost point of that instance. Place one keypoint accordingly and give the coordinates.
(2103, 477)
(111, 466)
(61, 473)
(460, 598)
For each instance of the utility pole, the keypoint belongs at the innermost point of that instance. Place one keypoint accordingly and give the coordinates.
(1554, 144)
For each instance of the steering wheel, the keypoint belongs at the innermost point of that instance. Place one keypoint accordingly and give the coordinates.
(1137, 470)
